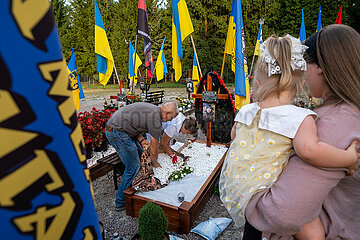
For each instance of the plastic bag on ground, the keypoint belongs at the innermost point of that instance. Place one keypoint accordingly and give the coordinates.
(211, 228)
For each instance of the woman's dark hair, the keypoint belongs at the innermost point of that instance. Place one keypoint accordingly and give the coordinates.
(190, 125)
(310, 55)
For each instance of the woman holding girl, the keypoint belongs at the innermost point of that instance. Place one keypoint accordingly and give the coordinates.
(265, 133)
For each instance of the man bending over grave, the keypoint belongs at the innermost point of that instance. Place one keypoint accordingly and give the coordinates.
(124, 131)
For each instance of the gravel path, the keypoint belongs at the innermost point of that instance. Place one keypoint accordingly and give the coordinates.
(104, 191)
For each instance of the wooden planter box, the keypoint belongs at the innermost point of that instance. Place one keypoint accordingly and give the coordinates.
(180, 218)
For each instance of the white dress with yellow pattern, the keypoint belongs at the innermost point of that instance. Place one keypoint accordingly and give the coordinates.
(258, 153)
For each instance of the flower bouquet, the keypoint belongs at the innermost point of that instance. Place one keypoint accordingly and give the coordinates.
(185, 104)
(93, 127)
(180, 173)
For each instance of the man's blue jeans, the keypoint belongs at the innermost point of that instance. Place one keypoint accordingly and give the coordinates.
(129, 151)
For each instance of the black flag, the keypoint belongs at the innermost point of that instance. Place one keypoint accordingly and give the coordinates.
(143, 31)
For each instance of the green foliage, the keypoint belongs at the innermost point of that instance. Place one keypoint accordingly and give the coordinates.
(181, 173)
(152, 222)
(210, 18)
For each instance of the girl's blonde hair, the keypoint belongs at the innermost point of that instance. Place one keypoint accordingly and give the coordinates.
(336, 50)
(280, 50)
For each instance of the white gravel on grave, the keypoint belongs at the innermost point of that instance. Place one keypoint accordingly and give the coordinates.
(97, 155)
(202, 159)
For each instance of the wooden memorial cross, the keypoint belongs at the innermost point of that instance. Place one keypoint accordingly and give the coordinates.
(218, 96)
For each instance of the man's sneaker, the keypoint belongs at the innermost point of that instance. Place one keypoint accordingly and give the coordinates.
(118, 209)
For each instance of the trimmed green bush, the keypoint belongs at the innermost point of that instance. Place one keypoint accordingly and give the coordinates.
(152, 222)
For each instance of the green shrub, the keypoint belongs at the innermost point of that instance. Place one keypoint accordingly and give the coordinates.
(152, 222)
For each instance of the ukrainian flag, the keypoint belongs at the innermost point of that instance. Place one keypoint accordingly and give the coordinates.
(302, 28)
(131, 62)
(74, 81)
(235, 46)
(195, 74)
(318, 27)
(181, 28)
(104, 58)
(259, 41)
(160, 66)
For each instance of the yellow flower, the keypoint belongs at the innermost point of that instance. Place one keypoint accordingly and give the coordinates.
(232, 154)
(252, 168)
(251, 190)
(252, 162)
(225, 173)
(277, 153)
(239, 206)
(271, 142)
(237, 188)
(236, 159)
(267, 175)
(244, 178)
(243, 195)
(233, 203)
(243, 143)
(237, 176)
(229, 207)
(246, 156)
(258, 177)
(227, 199)
(230, 190)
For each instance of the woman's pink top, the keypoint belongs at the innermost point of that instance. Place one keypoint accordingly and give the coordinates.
(304, 191)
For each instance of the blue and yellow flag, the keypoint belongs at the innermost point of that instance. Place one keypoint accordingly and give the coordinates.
(195, 74)
(318, 27)
(160, 66)
(131, 62)
(181, 28)
(74, 81)
(44, 183)
(235, 46)
(259, 41)
(104, 58)
(302, 33)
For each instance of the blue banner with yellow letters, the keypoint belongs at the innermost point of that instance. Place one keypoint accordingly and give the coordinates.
(44, 184)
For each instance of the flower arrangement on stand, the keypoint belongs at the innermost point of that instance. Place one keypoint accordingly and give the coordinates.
(185, 104)
(93, 128)
(181, 173)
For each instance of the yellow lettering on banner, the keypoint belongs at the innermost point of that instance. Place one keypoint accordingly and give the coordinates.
(77, 139)
(59, 87)
(28, 14)
(59, 216)
(8, 107)
(26, 175)
(12, 139)
(88, 234)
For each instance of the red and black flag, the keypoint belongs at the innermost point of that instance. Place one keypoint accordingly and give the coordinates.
(143, 31)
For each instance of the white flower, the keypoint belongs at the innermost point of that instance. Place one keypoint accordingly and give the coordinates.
(227, 199)
(239, 205)
(267, 175)
(236, 159)
(252, 168)
(243, 143)
(237, 176)
(275, 163)
(246, 156)
(182, 175)
(176, 176)
(277, 153)
(231, 154)
(271, 142)
(191, 169)
(251, 190)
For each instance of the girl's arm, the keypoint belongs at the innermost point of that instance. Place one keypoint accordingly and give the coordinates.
(311, 150)
(233, 132)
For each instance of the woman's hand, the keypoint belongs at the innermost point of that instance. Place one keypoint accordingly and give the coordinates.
(352, 149)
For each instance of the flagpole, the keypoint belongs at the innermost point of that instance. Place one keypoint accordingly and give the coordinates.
(222, 68)
(117, 76)
(197, 60)
(252, 63)
(132, 85)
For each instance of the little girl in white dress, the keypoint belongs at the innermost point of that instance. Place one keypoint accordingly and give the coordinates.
(265, 132)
